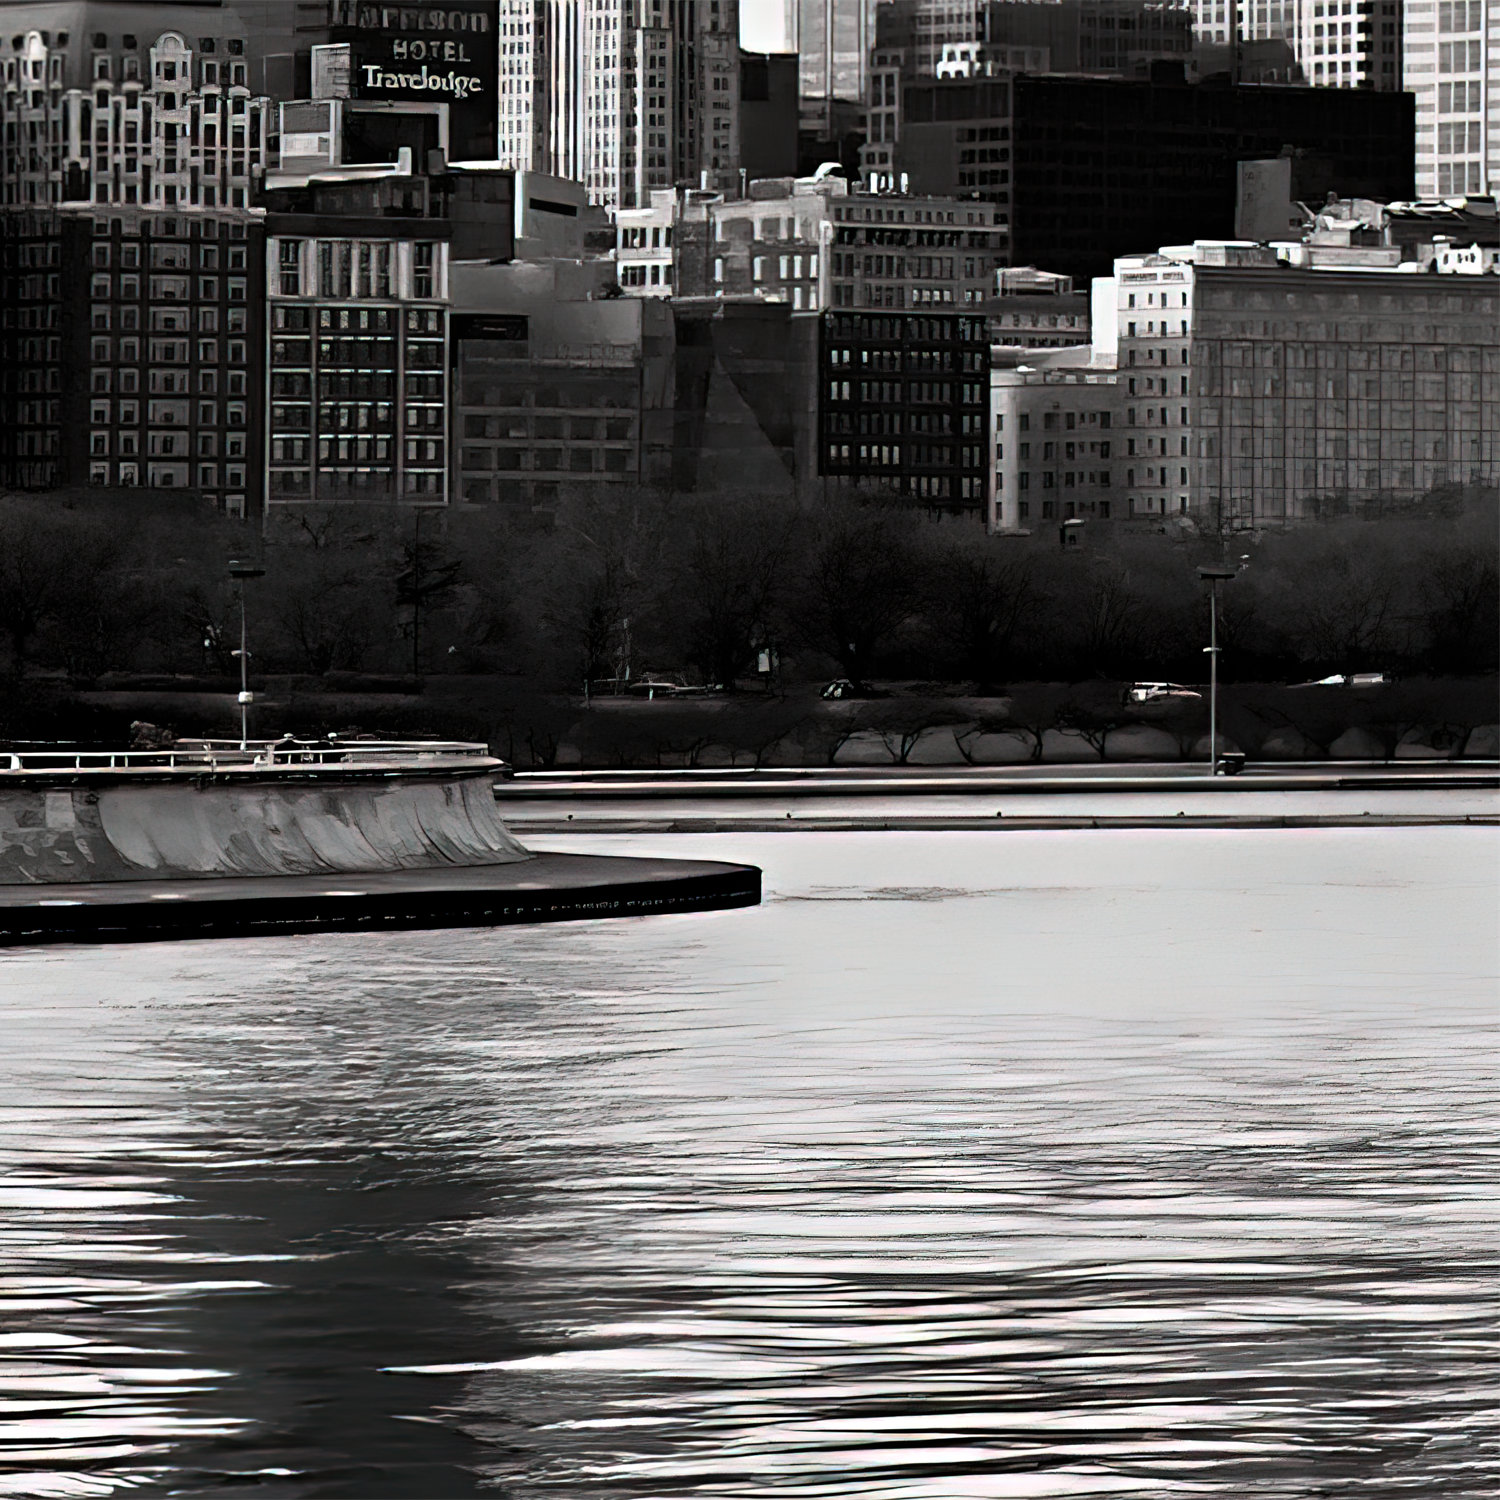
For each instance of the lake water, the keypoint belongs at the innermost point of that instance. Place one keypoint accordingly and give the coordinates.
(969, 1165)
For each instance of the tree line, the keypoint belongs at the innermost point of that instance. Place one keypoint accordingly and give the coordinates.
(710, 587)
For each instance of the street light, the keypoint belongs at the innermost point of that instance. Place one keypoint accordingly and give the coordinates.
(1214, 577)
(240, 571)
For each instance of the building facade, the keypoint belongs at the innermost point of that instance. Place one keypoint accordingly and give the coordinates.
(130, 345)
(834, 38)
(1053, 446)
(356, 391)
(894, 250)
(904, 406)
(1033, 309)
(918, 33)
(812, 243)
(768, 104)
(625, 96)
(554, 392)
(1352, 44)
(1257, 393)
(1451, 63)
(151, 119)
(131, 318)
(1156, 160)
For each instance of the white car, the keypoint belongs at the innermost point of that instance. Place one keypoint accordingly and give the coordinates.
(1160, 692)
(1350, 679)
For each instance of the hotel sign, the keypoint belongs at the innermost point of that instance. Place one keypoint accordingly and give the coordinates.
(442, 52)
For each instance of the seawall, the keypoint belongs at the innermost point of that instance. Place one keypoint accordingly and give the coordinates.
(86, 829)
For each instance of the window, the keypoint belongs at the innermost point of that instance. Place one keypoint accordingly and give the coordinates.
(423, 271)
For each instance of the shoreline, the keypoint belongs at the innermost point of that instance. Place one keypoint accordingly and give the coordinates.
(999, 823)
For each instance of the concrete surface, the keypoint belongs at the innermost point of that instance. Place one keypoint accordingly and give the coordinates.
(116, 828)
(543, 888)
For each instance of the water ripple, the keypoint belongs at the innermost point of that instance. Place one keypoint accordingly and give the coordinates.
(1147, 1166)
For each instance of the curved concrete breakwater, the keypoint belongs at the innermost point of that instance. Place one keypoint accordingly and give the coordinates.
(209, 840)
(202, 827)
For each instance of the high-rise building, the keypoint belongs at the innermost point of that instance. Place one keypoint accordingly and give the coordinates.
(921, 30)
(621, 95)
(1336, 43)
(834, 38)
(1078, 165)
(922, 42)
(1349, 45)
(130, 349)
(768, 114)
(1451, 62)
(132, 141)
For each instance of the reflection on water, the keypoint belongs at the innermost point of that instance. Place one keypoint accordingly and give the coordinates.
(1083, 1164)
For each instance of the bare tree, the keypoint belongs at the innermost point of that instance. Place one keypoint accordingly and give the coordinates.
(984, 595)
(863, 583)
(53, 561)
(1457, 604)
(729, 581)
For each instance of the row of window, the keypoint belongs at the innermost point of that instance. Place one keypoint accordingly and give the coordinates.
(164, 445)
(1052, 421)
(1082, 478)
(574, 460)
(902, 392)
(1049, 450)
(355, 483)
(655, 274)
(642, 237)
(349, 269)
(863, 328)
(909, 455)
(166, 288)
(172, 255)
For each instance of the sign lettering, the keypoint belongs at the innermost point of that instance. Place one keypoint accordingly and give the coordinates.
(445, 52)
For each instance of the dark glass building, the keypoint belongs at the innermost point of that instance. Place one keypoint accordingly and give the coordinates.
(1091, 168)
(903, 405)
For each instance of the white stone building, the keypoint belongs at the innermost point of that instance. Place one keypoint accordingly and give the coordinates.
(1451, 63)
(1053, 442)
(1263, 385)
(158, 116)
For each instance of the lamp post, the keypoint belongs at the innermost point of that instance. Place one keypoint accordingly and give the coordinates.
(240, 571)
(1213, 577)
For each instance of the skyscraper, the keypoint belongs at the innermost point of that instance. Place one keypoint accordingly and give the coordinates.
(622, 95)
(1452, 65)
(1337, 43)
(834, 38)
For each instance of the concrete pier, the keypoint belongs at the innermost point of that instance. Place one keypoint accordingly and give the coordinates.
(542, 888)
(211, 841)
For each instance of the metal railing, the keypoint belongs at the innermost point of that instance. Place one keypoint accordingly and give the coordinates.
(260, 755)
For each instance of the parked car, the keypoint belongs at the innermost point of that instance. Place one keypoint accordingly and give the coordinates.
(840, 687)
(1350, 680)
(1160, 692)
